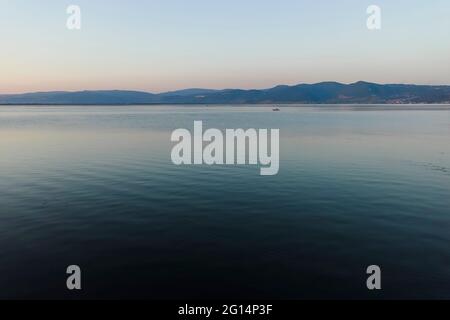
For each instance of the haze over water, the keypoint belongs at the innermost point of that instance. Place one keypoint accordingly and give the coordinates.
(95, 187)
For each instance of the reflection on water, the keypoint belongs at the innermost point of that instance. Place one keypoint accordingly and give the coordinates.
(94, 186)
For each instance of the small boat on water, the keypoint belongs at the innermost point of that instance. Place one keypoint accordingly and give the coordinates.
(276, 109)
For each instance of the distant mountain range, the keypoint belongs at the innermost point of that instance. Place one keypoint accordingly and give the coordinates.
(319, 93)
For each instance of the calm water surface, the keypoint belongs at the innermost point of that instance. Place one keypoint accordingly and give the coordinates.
(95, 187)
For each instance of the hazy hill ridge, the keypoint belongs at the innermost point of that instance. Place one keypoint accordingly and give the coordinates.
(319, 93)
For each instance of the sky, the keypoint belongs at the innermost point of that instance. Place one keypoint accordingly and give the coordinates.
(162, 45)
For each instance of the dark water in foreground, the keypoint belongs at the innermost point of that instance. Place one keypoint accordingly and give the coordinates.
(94, 186)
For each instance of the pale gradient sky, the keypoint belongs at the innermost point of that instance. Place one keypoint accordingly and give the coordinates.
(160, 45)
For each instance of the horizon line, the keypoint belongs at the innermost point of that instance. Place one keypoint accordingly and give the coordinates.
(222, 89)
